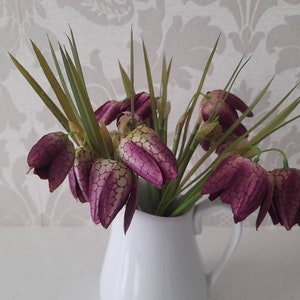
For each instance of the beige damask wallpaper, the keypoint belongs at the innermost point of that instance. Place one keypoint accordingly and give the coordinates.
(185, 29)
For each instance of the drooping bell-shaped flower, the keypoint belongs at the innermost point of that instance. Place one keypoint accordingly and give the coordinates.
(80, 173)
(285, 207)
(108, 112)
(74, 187)
(223, 105)
(143, 151)
(52, 158)
(110, 187)
(210, 136)
(142, 105)
(243, 184)
(131, 204)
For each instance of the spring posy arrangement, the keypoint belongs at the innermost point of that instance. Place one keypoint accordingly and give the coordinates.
(105, 167)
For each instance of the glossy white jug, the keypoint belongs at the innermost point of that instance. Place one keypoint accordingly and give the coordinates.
(159, 258)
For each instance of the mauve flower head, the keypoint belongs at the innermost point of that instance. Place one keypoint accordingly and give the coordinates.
(80, 173)
(223, 105)
(74, 186)
(108, 112)
(243, 184)
(211, 138)
(143, 151)
(211, 134)
(142, 105)
(285, 208)
(111, 186)
(52, 158)
(111, 110)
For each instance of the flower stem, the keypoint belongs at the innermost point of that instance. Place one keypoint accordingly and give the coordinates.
(132, 78)
(285, 161)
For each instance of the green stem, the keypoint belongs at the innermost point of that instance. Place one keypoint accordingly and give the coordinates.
(282, 153)
(132, 79)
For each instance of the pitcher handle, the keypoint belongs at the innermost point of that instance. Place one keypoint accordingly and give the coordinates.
(201, 209)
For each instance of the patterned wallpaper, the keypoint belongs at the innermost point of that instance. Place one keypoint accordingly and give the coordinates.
(185, 29)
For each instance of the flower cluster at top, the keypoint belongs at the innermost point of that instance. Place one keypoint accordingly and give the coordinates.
(107, 184)
(104, 166)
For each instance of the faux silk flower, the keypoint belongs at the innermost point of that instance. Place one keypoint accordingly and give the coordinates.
(79, 175)
(243, 184)
(285, 208)
(144, 152)
(110, 186)
(110, 110)
(52, 158)
(220, 107)
(223, 105)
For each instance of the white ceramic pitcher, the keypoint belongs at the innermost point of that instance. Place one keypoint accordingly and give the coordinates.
(159, 258)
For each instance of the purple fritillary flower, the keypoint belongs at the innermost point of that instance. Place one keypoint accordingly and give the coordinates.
(285, 207)
(224, 105)
(142, 105)
(52, 158)
(131, 204)
(144, 152)
(108, 112)
(80, 173)
(243, 184)
(110, 187)
(139, 161)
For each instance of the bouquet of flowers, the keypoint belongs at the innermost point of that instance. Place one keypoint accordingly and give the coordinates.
(105, 167)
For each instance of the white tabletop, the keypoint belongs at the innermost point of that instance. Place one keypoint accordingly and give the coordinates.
(54, 263)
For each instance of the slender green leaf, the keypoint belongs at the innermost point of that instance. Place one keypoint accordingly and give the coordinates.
(274, 124)
(228, 87)
(63, 83)
(42, 94)
(132, 78)
(286, 122)
(163, 107)
(59, 92)
(132, 63)
(107, 139)
(85, 109)
(272, 111)
(236, 74)
(151, 88)
(126, 81)
(75, 54)
(194, 100)
(207, 66)
(69, 74)
(59, 71)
